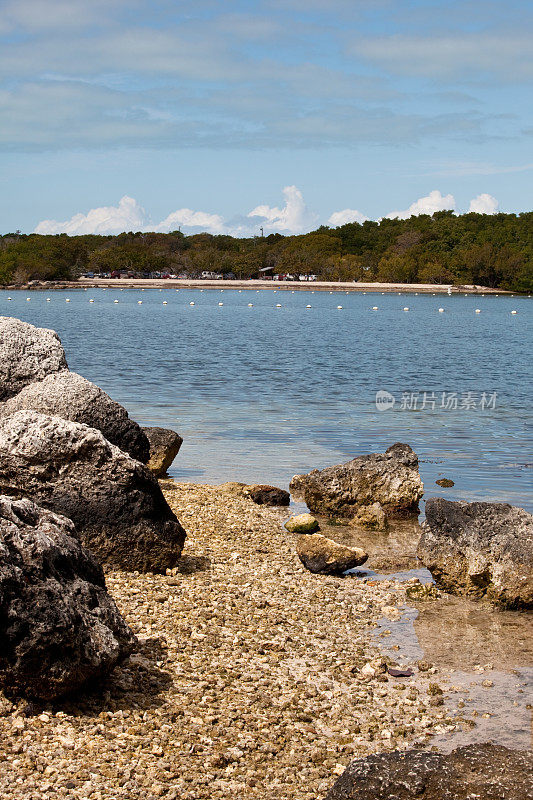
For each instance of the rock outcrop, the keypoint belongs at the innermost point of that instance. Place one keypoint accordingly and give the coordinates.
(59, 628)
(302, 523)
(115, 501)
(164, 445)
(68, 395)
(484, 550)
(265, 495)
(485, 771)
(27, 354)
(319, 554)
(372, 517)
(391, 479)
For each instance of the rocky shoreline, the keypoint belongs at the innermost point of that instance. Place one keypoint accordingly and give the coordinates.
(253, 677)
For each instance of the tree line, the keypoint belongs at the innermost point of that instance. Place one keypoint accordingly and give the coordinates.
(494, 251)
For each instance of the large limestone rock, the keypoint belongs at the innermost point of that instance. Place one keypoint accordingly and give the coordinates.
(27, 354)
(480, 549)
(164, 445)
(59, 628)
(486, 771)
(68, 395)
(319, 554)
(115, 502)
(391, 479)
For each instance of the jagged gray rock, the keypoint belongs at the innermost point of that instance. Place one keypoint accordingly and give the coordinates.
(321, 555)
(485, 771)
(68, 395)
(164, 445)
(59, 628)
(391, 479)
(27, 354)
(484, 550)
(115, 501)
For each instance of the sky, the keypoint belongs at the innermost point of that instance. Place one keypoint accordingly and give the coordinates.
(281, 114)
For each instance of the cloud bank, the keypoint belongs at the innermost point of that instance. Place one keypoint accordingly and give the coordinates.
(294, 217)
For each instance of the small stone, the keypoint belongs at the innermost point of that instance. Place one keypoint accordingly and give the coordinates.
(302, 523)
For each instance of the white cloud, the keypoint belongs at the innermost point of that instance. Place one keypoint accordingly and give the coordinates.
(484, 204)
(433, 202)
(187, 218)
(294, 217)
(127, 216)
(347, 215)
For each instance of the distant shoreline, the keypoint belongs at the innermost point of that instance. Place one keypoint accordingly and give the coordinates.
(302, 286)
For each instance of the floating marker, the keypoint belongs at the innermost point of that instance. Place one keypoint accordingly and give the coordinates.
(28, 299)
(92, 301)
(278, 305)
(165, 303)
(478, 311)
(191, 303)
(339, 307)
(441, 310)
(48, 300)
(374, 308)
(406, 308)
(139, 302)
(250, 305)
(142, 290)
(221, 304)
(115, 301)
(9, 298)
(308, 306)
(513, 312)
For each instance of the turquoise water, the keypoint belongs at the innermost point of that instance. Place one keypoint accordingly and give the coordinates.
(261, 393)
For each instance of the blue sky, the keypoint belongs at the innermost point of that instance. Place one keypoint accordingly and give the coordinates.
(227, 115)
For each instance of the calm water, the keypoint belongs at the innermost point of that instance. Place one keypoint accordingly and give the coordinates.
(262, 393)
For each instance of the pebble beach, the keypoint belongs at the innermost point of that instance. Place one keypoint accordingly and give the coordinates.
(253, 677)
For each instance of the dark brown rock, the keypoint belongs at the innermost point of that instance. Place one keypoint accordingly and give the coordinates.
(164, 445)
(319, 554)
(265, 495)
(391, 479)
(484, 550)
(115, 501)
(59, 628)
(481, 771)
(27, 354)
(68, 395)
(446, 483)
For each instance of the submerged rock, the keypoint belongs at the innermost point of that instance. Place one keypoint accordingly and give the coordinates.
(59, 628)
(319, 554)
(484, 550)
(485, 771)
(27, 354)
(446, 483)
(391, 479)
(164, 445)
(265, 495)
(115, 501)
(302, 523)
(372, 517)
(68, 395)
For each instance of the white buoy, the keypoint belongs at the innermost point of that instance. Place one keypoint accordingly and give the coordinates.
(250, 305)
(165, 303)
(513, 312)
(139, 302)
(142, 290)
(92, 301)
(478, 311)
(240, 291)
(48, 300)
(278, 305)
(339, 307)
(9, 298)
(115, 301)
(406, 308)
(191, 303)
(441, 310)
(28, 299)
(308, 306)
(374, 308)
(221, 304)
(67, 300)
